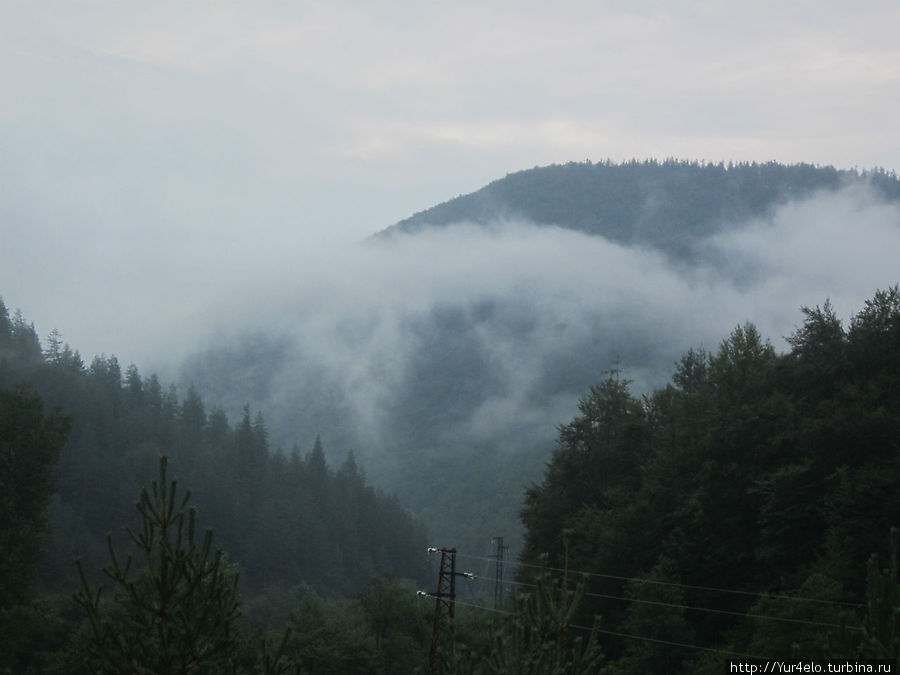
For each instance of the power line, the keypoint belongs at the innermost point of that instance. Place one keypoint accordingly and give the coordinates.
(646, 638)
(748, 615)
(711, 589)
(720, 611)
(629, 636)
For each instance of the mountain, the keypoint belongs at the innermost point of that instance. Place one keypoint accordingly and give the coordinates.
(441, 360)
(669, 206)
(447, 348)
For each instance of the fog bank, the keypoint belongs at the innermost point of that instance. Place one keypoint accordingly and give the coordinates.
(491, 334)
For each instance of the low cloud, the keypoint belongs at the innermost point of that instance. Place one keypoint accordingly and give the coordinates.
(452, 342)
(491, 334)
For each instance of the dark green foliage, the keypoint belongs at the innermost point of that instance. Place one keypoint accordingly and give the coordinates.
(35, 637)
(593, 470)
(273, 661)
(30, 442)
(668, 205)
(326, 638)
(753, 471)
(23, 339)
(878, 636)
(385, 629)
(773, 474)
(656, 612)
(881, 630)
(399, 623)
(5, 327)
(283, 520)
(178, 612)
(539, 637)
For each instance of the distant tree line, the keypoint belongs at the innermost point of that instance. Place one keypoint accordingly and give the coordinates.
(285, 516)
(79, 441)
(669, 205)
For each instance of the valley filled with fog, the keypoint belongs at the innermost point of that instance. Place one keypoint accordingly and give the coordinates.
(607, 293)
(424, 352)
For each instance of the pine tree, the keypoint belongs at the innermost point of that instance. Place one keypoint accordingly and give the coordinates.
(179, 612)
(539, 640)
(53, 353)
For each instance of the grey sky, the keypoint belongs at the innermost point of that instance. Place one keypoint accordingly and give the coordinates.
(153, 154)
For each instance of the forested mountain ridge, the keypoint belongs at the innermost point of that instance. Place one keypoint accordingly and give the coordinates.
(668, 205)
(286, 517)
(475, 340)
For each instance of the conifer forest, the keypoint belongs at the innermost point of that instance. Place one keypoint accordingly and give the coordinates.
(744, 504)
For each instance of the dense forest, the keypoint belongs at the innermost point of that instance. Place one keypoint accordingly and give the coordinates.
(734, 512)
(737, 507)
(285, 515)
(287, 520)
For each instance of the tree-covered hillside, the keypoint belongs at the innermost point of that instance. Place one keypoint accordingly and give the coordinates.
(752, 476)
(669, 205)
(284, 516)
(729, 513)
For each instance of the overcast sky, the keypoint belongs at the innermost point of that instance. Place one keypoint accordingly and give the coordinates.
(151, 150)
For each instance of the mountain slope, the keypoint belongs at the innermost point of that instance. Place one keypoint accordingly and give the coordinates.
(669, 205)
(445, 354)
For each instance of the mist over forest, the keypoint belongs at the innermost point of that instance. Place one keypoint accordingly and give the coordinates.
(305, 305)
(672, 375)
(468, 332)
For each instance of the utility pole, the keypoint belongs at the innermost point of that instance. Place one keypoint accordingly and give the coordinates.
(498, 574)
(444, 607)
